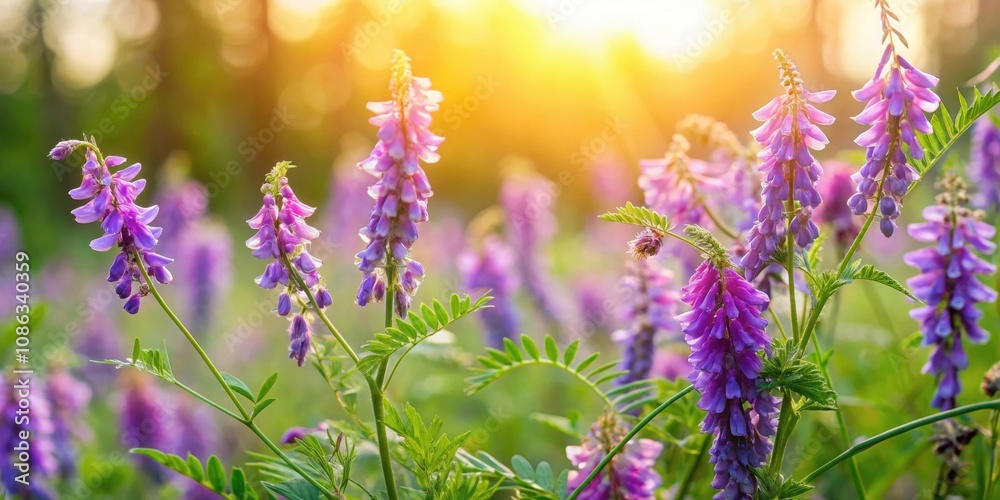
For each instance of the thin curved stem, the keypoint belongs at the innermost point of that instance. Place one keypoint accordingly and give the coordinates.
(722, 226)
(245, 420)
(628, 437)
(777, 322)
(291, 463)
(693, 471)
(294, 273)
(902, 429)
(374, 387)
(190, 338)
(859, 484)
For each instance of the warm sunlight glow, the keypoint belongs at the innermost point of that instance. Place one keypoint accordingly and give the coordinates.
(663, 27)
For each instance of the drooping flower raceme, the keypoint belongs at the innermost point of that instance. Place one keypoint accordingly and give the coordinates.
(789, 171)
(648, 314)
(283, 237)
(897, 98)
(111, 201)
(984, 164)
(488, 267)
(948, 286)
(631, 473)
(725, 331)
(402, 189)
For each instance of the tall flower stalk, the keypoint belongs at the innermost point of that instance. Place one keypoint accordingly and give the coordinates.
(283, 237)
(725, 331)
(402, 188)
(897, 98)
(790, 173)
(948, 286)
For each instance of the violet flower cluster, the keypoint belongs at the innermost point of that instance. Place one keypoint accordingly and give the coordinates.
(284, 237)
(948, 286)
(897, 98)
(649, 313)
(146, 422)
(725, 331)
(984, 163)
(39, 449)
(631, 473)
(111, 201)
(402, 189)
(527, 200)
(670, 184)
(488, 267)
(790, 172)
(206, 266)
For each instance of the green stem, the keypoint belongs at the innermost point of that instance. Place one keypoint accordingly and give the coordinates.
(378, 407)
(245, 420)
(787, 419)
(693, 471)
(207, 401)
(859, 485)
(291, 463)
(991, 476)
(628, 437)
(722, 226)
(790, 264)
(378, 403)
(294, 273)
(187, 334)
(902, 429)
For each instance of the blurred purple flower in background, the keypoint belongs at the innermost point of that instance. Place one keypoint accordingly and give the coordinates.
(670, 184)
(948, 286)
(10, 244)
(206, 265)
(147, 421)
(195, 434)
(984, 163)
(837, 187)
(111, 201)
(68, 399)
(487, 266)
(527, 200)
(402, 188)
(631, 473)
(39, 448)
(347, 208)
(725, 332)
(99, 340)
(788, 134)
(897, 98)
(650, 311)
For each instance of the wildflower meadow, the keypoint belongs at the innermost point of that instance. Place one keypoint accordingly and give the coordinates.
(476, 250)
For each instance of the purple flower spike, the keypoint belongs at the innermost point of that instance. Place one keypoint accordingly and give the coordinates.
(284, 238)
(984, 165)
(111, 201)
(790, 131)
(897, 98)
(402, 189)
(725, 331)
(68, 398)
(670, 184)
(488, 267)
(631, 473)
(649, 313)
(948, 286)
